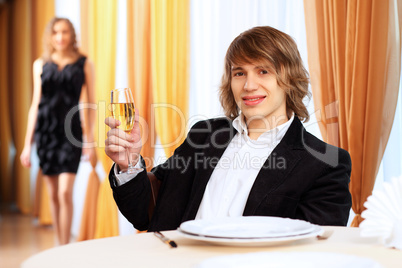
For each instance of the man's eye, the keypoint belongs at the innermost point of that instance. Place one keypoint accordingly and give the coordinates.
(238, 74)
(263, 72)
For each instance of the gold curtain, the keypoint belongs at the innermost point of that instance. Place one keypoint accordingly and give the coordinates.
(170, 69)
(99, 27)
(354, 61)
(139, 70)
(85, 22)
(42, 12)
(6, 143)
(102, 27)
(107, 219)
(21, 89)
(22, 24)
(88, 217)
(27, 22)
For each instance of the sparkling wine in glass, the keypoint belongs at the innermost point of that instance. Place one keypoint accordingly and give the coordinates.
(122, 102)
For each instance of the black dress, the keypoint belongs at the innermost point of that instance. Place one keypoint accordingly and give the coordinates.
(58, 132)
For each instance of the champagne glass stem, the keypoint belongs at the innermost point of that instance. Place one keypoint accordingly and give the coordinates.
(130, 164)
(131, 167)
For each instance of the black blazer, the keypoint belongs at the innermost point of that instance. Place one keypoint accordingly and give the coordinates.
(303, 178)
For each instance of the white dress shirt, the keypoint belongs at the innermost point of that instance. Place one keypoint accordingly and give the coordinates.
(228, 188)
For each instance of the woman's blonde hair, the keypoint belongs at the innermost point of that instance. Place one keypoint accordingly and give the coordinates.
(276, 49)
(48, 48)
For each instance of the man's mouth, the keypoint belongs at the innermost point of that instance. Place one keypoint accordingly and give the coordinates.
(253, 100)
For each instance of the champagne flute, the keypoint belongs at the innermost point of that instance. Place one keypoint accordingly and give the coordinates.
(122, 102)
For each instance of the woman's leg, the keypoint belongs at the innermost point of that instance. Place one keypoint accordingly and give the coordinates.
(52, 186)
(66, 184)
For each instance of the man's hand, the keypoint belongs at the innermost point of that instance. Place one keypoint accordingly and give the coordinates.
(118, 142)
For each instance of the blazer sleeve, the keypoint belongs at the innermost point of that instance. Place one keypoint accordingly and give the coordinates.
(328, 201)
(132, 198)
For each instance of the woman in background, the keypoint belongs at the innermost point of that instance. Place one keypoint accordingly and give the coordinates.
(60, 78)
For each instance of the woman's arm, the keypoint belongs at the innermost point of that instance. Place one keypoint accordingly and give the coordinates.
(33, 112)
(89, 112)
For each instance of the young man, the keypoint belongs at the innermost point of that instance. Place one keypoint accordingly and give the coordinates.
(258, 160)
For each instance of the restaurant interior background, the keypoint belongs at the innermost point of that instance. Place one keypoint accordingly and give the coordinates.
(170, 52)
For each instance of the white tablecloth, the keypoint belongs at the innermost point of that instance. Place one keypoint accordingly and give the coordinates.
(145, 250)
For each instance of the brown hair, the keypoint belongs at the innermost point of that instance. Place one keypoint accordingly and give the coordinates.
(48, 48)
(280, 51)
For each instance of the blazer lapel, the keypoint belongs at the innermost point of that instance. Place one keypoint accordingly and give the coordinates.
(205, 163)
(276, 168)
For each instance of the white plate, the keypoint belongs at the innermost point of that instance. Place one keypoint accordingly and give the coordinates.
(247, 227)
(289, 259)
(253, 242)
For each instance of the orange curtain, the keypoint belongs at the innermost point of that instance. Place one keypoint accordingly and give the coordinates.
(354, 56)
(101, 29)
(88, 217)
(20, 89)
(107, 219)
(170, 64)
(42, 12)
(27, 22)
(22, 24)
(98, 28)
(139, 70)
(6, 143)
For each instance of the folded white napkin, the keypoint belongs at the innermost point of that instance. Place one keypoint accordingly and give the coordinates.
(383, 216)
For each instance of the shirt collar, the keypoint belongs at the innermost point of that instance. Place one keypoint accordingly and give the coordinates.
(274, 135)
(239, 124)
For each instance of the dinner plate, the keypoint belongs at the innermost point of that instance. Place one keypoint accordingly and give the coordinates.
(289, 259)
(247, 227)
(253, 242)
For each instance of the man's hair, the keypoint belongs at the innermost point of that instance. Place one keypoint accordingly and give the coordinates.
(276, 49)
(48, 48)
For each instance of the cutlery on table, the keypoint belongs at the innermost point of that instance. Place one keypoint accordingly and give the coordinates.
(165, 240)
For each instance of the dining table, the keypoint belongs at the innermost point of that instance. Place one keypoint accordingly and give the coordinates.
(147, 250)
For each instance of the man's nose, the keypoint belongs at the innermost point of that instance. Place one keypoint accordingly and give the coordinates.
(251, 83)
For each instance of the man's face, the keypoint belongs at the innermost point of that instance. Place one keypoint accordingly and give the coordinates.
(257, 93)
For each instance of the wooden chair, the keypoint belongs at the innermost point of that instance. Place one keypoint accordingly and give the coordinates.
(155, 185)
